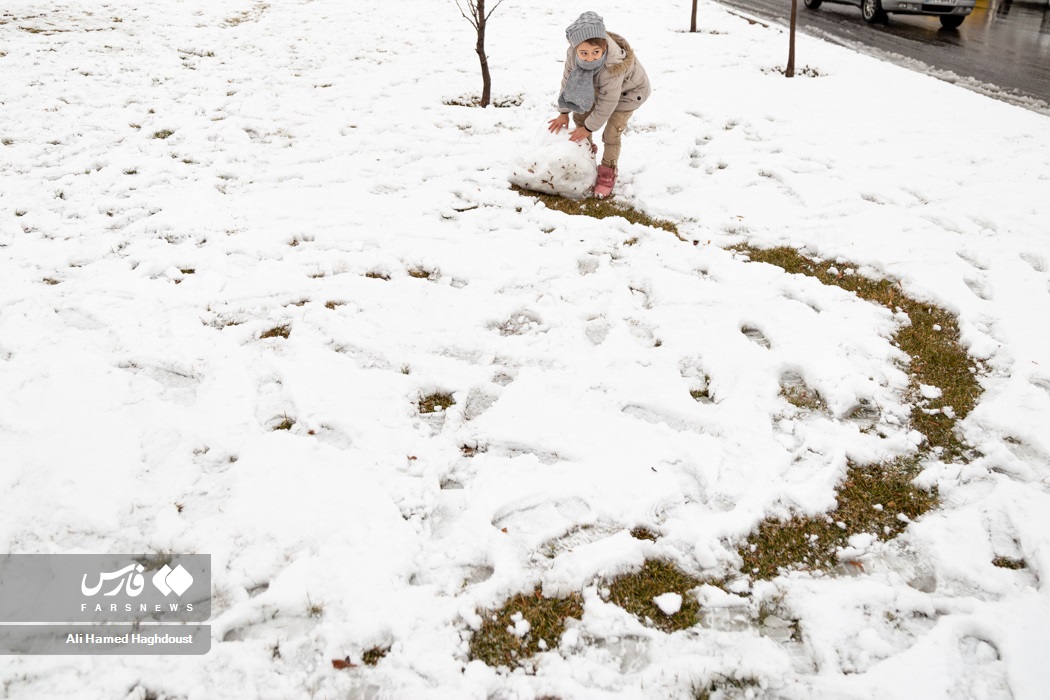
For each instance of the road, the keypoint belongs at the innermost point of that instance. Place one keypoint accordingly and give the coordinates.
(1002, 49)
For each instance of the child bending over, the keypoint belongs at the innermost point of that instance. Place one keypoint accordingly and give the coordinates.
(602, 85)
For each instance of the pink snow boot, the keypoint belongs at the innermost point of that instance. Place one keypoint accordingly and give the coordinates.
(606, 180)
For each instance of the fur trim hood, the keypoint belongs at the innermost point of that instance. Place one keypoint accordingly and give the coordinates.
(621, 56)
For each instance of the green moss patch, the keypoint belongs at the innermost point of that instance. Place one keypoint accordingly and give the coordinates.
(496, 644)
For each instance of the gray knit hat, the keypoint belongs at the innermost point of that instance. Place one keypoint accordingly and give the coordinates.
(587, 26)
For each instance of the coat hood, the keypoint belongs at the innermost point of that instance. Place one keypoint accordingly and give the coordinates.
(621, 56)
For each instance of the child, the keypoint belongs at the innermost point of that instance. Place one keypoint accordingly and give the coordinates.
(602, 85)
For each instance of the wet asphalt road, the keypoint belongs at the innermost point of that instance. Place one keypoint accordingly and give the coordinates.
(1003, 44)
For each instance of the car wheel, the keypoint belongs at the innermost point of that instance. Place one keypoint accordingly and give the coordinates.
(812, 4)
(952, 21)
(871, 11)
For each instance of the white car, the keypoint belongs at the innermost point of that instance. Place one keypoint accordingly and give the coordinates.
(951, 12)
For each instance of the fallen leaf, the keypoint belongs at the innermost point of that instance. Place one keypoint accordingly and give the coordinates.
(341, 664)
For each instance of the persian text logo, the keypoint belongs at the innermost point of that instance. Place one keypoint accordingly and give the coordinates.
(166, 580)
(130, 577)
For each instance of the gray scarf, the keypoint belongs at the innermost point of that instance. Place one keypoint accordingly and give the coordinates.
(578, 94)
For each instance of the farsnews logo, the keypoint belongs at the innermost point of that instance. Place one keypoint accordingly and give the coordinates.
(130, 578)
(172, 581)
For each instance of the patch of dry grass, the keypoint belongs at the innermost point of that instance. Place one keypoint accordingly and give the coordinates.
(634, 593)
(601, 209)
(870, 500)
(497, 645)
(931, 339)
(875, 499)
(436, 402)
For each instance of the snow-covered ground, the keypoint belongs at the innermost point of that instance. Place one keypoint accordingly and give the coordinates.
(310, 146)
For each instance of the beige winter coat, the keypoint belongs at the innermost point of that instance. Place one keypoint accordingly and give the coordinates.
(621, 85)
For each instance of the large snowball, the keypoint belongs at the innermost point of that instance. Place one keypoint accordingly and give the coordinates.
(552, 164)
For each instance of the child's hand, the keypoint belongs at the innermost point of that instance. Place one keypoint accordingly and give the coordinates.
(558, 123)
(579, 134)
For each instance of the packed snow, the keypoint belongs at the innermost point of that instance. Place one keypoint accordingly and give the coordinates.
(220, 218)
(550, 163)
(669, 603)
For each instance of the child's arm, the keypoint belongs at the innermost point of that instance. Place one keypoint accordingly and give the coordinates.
(562, 120)
(606, 97)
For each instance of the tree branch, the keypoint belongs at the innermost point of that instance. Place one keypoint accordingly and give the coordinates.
(473, 11)
(489, 13)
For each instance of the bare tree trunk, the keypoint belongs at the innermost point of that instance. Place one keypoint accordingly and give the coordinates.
(486, 79)
(692, 20)
(478, 18)
(790, 70)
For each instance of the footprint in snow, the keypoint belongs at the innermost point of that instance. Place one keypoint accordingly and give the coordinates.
(1042, 382)
(213, 461)
(756, 336)
(543, 456)
(656, 418)
(979, 288)
(1036, 261)
(452, 577)
(973, 259)
(699, 382)
(542, 517)
(502, 378)
(178, 385)
(578, 536)
(631, 650)
(588, 264)
(1002, 535)
(520, 323)
(79, 319)
(477, 402)
(864, 413)
(597, 330)
(982, 672)
(643, 334)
